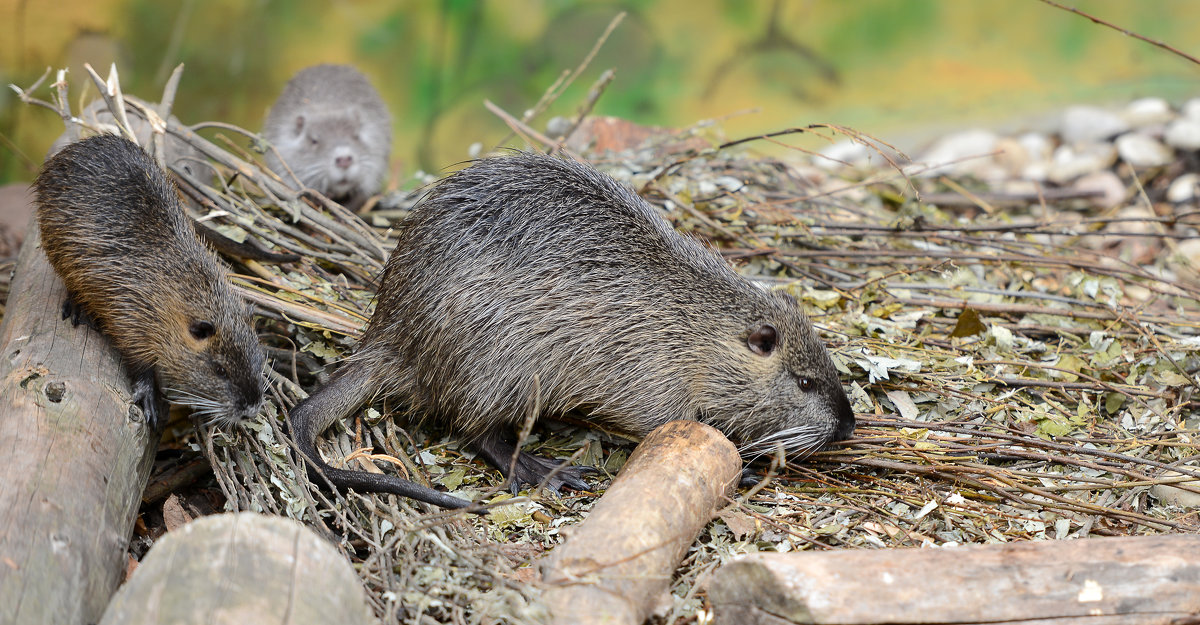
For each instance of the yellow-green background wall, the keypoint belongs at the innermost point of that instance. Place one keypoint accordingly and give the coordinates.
(887, 67)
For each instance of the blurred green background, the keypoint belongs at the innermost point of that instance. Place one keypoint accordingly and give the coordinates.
(897, 69)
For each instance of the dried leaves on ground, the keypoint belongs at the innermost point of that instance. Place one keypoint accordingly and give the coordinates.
(1024, 363)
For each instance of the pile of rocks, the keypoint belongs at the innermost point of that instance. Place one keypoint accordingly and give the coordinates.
(1083, 148)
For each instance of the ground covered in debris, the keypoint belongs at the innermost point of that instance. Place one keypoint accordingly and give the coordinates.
(1016, 319)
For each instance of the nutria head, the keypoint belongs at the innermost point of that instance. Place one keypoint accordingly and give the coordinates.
(772, 382)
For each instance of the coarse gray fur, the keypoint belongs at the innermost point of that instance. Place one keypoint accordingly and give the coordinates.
(113, 229)
(333, 131)
(533, 283)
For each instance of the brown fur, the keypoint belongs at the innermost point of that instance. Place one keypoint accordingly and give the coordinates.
(113, 229)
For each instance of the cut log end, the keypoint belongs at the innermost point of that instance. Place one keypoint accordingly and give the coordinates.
(618, 563)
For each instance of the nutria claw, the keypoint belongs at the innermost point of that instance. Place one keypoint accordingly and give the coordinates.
(77, 314)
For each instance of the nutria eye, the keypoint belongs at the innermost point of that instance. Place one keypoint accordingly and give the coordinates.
(762, 340)
(314, 140)
(220, 370)
(806, 384)
(201, 330)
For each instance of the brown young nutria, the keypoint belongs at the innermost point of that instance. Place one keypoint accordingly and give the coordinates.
(532, 283)
(113, 229)
(333, 131)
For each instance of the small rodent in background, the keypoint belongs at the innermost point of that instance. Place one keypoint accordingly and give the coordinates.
(333, 131)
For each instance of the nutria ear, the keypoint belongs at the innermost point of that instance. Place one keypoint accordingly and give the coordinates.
(299, 125)
(202, 329)
(762, 340)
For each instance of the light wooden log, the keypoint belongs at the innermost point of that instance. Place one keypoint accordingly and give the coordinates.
(76, 456)
(1099, 581)
(233, 569)
(617, 564)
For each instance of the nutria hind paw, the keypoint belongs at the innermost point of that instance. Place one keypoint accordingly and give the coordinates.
(529, 469)
(749, 479)
(533, 470)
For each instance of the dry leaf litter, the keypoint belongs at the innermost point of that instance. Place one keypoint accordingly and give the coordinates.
(1016, 319)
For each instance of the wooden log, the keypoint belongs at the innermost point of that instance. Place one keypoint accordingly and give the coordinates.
(76, 456)
(617, 564)
(1098, 581)
(231, 569)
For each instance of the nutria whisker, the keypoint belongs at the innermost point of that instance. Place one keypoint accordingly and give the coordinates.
(798, 441)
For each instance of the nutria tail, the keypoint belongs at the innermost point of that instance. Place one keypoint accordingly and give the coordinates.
(348, 390)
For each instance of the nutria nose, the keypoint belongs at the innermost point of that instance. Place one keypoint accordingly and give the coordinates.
(344, 162)
(845, 418)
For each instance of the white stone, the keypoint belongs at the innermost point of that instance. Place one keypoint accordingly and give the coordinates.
(1183, 134)
(1191, 109)
(841, 154)
(1011, 155)
(1072, 161)
(1147, 112)
(1107, 183)
(1176, 496)
(1088, 123)
(557, 127)
(969, 151)
(1142, 151)
(1188, 252)
(1037, 145)
(1039, 149)
(1184, 188)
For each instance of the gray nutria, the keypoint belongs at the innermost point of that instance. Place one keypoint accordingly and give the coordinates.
(532, 283)
(112, 226)
(333, 131)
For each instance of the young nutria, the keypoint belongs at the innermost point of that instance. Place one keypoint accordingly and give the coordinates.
(529, 283)
(113, 229)
(333, 131)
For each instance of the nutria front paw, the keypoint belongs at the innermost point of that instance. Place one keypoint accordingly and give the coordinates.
(76, 313)
(147, 397)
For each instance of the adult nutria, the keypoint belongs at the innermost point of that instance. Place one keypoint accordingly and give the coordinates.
(333, 131)
(529, 283)
(113, 229)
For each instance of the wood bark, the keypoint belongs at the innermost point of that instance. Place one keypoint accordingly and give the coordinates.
(76, 456)
(232, 569)
(616, 566)
(1100, 581)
